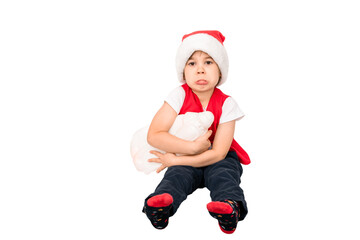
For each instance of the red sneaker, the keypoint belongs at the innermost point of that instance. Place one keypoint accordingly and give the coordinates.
(157, 209)
(227, 213)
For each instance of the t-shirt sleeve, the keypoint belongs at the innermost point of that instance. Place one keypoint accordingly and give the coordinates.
(230, 111)
(176, 99)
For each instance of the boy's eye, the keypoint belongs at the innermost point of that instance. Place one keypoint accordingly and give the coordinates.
(208, 62)
(191, 63)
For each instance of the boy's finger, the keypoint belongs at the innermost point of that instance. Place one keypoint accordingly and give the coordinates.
(154, 160)
(162, 167)
(156, 153)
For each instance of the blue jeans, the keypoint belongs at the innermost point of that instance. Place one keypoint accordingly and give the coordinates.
(221, 178)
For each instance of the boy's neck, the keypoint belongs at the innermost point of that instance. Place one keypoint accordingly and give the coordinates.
(204, 97)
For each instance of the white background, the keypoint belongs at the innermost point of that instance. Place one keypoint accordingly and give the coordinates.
(78, 78)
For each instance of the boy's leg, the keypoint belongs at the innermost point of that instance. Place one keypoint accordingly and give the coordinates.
(223, 181)
(177, 184)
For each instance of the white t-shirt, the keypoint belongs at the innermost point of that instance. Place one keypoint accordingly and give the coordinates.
(230, 109)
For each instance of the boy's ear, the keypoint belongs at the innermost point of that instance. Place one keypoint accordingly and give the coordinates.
(218, 81)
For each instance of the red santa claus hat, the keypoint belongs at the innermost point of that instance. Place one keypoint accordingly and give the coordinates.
(211, 42)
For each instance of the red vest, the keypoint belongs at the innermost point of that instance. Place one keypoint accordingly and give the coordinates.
(193, 104)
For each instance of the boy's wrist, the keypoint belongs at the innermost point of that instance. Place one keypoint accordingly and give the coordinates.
(193, 146)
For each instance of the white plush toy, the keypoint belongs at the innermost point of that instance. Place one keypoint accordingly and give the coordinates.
(188, 126)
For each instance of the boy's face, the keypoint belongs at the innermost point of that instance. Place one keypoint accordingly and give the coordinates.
(201, 72)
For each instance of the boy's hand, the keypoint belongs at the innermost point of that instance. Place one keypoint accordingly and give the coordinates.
(166, 159)
(202, 143)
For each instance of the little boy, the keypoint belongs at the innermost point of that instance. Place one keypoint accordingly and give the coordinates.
(211, 161)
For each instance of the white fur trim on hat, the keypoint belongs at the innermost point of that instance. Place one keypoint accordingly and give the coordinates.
(206, 43)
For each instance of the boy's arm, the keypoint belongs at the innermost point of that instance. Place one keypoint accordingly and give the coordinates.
(221, 145)
(159, 137)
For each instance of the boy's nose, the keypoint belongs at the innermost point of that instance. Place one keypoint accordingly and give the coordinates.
(200, 70)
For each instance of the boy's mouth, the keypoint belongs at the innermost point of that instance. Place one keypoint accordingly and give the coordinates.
(201, 82)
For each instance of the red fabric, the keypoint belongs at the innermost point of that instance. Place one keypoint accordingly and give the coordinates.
(221, 211)
(162, 200)
(219, 207)
(216, 34)
(193, 104)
